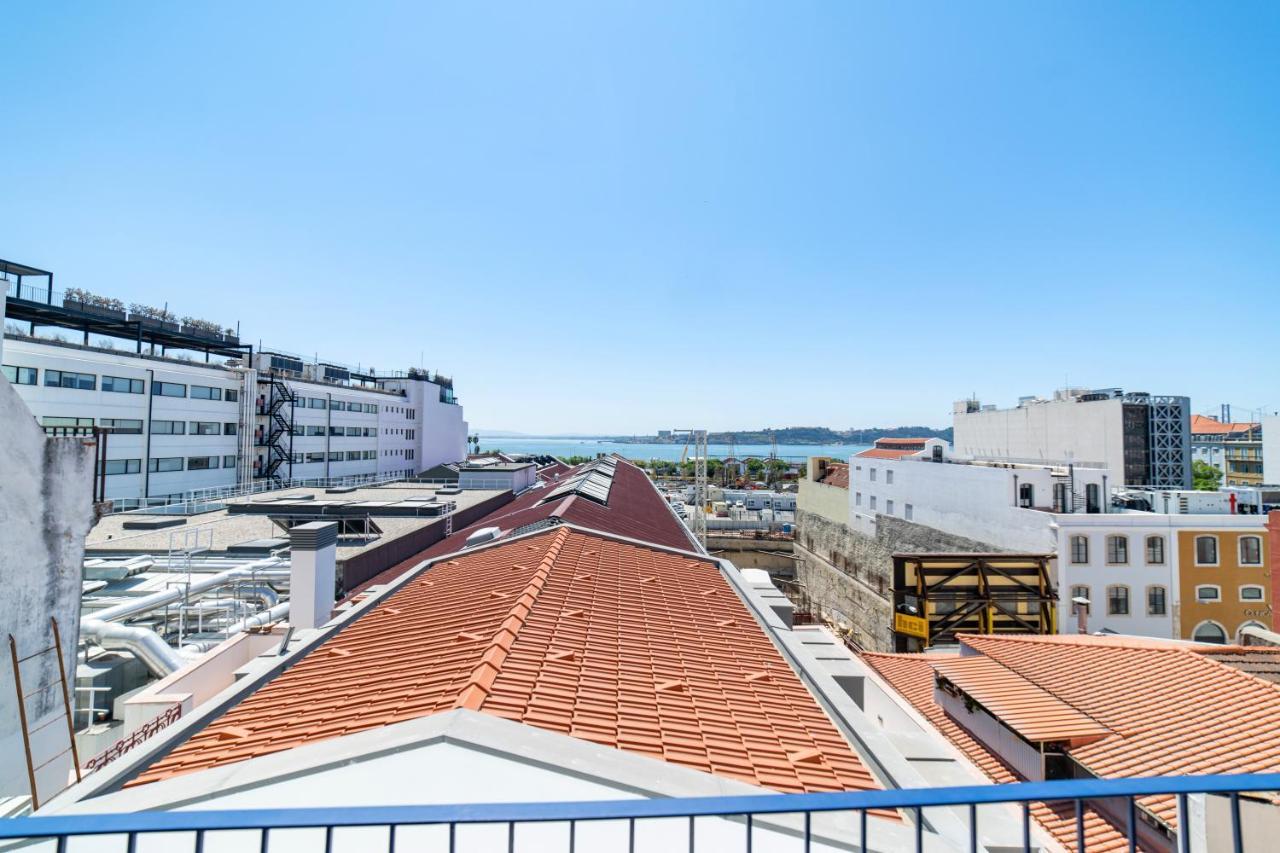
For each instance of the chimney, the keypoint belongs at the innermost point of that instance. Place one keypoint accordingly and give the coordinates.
(312, 581)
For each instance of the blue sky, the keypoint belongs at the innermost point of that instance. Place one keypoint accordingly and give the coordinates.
(624, 217)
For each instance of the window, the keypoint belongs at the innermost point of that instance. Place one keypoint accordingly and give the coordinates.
(231, 395)
(353, 455)
(315, 430)
(204, 392)
(1209, 632)
(1079, 550)
(121, 385)
(370, 454)
(122, 466)
(1117, 550)
(122, 426)
(67, 379)
(230, 429)
(315, 457)
(1079, 592)
(168, 427)
(337, 406)
(873, 502)
(20, 375)
(167, 463)
(229, 461)
(371, 407)
(1118, 600)
(1156, 604)
(872, 475)
(205, 428)
(1250, 551)
(201, 463)
(1155, 550)
(315, 403)
(1092, 498)
(355, 431)
(1208, 593)
(1026, 496)
(1206, 550)
(333, 430)
(1251, 592)
(888, 474)
(908, 511)
(888, 507)
(168, 389)
(51, 421)
(857, 498)
(335, 456)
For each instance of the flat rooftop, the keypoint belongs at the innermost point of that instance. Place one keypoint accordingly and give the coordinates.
(222, 529)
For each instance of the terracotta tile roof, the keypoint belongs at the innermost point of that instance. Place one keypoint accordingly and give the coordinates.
(1261, 663)
(913, 677)
(917, 443)
(1200, 425)
(885, 453)
(636, 510)
(837, 474)
(1172, 709)
(620, 644)
(1036, 714)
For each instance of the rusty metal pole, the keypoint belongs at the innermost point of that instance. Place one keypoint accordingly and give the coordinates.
(66, 697)
(22, 718)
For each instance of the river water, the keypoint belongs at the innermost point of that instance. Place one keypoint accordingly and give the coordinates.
(591, 446)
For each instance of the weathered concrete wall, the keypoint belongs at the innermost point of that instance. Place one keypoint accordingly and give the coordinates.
(849, 576)
(773, 555)
(46, 508)
(830, 502)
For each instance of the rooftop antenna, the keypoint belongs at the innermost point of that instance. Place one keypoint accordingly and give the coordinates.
(699, 439)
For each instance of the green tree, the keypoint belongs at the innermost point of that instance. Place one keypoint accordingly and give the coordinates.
(1205, 477)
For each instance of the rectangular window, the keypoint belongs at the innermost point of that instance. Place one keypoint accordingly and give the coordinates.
(50, 421)
(1250, 593)
(229, 429)
(1118, 601)
(20, 375)
(335, 456)
(231, 395)
(67, 379)
(1207, 550)
(201, 463)
(229, 461)
(315, 430)
(315, 403)
(204, 428)
(1207, 593)
(122, 466)
(122, 426)
(909, 512)
(1155, 550)
(315, 457)
(121, 385)
(888, 507)
(168, 427)
(372, 407)
(204, 392)
(1079, 550)
(356, 431)
(337, 406)
(1117, 550)
(163, 464)
(872, 502)
(168, 389)
(1250, 551)
(857, 498)
(1079, 592)
(337, 431)
(872, 474)
(1155, 601)
(888, 475)
(370, 454)
(353, 455)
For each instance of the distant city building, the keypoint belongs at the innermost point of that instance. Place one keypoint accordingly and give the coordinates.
(187, 409)
(1141, 439)
(1271, 450)
(1235, 449)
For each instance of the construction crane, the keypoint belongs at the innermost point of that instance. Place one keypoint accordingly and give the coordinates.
(698, 437)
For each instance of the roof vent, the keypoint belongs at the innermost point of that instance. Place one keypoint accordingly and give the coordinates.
(484, 534)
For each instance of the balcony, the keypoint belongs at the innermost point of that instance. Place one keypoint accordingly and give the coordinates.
(1225, 820)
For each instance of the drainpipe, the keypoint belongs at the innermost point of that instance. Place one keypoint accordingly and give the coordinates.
(146, 462)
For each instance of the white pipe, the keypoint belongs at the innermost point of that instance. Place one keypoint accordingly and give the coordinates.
(177, 593)
(266, 617)
(143, 643)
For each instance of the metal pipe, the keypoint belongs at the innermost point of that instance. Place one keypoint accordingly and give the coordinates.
(156, 600)
(266, 617)
(143, 643)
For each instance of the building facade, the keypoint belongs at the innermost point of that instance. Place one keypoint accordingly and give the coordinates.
(1235, 449)
(1142, 439)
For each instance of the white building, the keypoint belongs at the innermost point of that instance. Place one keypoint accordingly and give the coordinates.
(1139, 438)
(1271, 449)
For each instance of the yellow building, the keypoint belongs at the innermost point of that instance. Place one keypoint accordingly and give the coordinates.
(1224, 582)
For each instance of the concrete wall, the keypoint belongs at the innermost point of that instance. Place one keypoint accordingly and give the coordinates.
(1053, 431)
(830, 502)
(849, 575)
(46, 509)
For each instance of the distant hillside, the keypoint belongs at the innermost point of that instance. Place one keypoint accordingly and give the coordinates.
(807, 435)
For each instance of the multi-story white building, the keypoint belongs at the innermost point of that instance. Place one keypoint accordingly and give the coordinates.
(175, 424)
(1141, 439)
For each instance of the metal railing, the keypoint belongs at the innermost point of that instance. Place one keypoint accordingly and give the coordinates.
(740, 822)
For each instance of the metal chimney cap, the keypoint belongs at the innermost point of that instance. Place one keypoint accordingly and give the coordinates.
(313, 535)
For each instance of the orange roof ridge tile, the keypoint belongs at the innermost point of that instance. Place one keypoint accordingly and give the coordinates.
(486, 671)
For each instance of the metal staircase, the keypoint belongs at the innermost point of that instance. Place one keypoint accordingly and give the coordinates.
(279, 431)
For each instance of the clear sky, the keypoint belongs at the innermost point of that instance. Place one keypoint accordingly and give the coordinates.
(608, 217)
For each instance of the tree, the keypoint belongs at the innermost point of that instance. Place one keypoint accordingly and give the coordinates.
(1205, 477)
